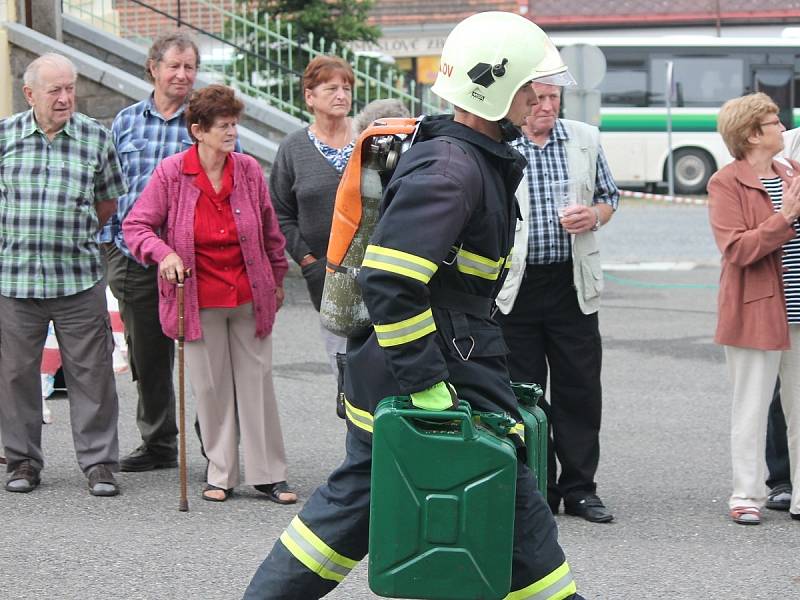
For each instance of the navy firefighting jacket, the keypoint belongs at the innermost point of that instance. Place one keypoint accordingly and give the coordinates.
(430, 274)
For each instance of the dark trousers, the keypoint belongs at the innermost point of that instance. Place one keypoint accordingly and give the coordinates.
(777, 445)
(337, 515)
(150, 353)
(546, 330)
(83, 330)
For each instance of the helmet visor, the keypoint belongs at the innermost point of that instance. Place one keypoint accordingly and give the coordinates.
(562, 79)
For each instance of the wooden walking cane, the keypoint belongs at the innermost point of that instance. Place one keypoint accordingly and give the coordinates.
(183, 506)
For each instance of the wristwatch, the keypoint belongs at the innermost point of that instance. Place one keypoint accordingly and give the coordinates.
(597, 223)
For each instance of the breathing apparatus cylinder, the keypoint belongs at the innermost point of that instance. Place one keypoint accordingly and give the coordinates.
(356, 213)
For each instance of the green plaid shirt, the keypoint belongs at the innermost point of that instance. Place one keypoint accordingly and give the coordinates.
(48, 223)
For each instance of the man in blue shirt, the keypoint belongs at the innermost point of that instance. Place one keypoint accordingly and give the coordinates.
(144, 135)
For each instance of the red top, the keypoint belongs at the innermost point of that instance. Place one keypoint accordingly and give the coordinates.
(222, 280)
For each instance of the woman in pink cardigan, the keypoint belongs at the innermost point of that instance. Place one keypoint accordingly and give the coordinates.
(754, 203)
(207, 210)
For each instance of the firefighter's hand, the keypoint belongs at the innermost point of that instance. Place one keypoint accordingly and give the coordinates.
(441, 396)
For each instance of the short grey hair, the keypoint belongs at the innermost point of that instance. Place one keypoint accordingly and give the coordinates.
(378, 109)
(180, 39)
(31, 75)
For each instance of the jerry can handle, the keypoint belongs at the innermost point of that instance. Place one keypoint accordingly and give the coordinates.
(528, 394)
(462, 414)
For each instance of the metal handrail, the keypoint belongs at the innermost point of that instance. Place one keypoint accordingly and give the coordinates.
(263, 74)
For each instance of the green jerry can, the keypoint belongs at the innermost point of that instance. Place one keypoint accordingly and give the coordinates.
(536, 434)
(441, 523)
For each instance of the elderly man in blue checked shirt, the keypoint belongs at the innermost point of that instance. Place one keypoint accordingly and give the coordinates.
(552, 293)
(144, 135)
(59, 180)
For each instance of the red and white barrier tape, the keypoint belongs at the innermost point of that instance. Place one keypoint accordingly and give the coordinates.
(664, 198)
(51, 357)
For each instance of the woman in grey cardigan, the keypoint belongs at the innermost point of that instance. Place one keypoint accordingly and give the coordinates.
(307, 171)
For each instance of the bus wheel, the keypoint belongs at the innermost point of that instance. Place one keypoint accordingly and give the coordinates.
(693, 168)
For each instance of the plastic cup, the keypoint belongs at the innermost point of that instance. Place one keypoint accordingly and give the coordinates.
(564, 195)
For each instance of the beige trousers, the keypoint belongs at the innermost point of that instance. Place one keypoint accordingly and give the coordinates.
(753, 373)
(231, 377)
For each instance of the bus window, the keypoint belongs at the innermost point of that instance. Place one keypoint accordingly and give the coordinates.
(624, 86)
(701, 81)
(776, 82)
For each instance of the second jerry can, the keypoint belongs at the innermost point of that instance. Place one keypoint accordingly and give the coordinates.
(536, 433)
(442, 505)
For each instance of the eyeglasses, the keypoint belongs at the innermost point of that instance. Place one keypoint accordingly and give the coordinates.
(775, 122)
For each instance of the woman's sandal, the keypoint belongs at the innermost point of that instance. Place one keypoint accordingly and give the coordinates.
(274, 491)
(212, 488)
(746, 515)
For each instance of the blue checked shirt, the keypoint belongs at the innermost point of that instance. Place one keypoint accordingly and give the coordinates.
(48, 192)
(548, 241)
(143, 139)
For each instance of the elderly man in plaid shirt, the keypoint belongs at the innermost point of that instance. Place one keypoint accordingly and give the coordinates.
(145, 134)
(552, 293)
(59, 180)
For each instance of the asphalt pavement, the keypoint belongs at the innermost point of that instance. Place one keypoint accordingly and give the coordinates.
(664, 471)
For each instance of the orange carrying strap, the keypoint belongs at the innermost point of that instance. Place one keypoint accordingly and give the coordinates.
(347, 209)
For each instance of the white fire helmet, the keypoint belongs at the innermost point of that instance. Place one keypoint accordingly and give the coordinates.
(489, 56)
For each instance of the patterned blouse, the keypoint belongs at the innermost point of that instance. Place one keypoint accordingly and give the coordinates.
(338, 157)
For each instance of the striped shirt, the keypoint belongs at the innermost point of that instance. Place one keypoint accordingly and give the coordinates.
(48, 189)
(548, 241)
(791, 253)
(143, 138)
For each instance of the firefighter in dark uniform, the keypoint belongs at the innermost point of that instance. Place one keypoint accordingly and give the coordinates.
(429, 278)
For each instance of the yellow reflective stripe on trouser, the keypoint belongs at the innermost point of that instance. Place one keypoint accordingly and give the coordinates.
(396, 261)
(358, 417)
(556, 586)
(394, 334)
(480, 266)
(315, 554)
(518, 429)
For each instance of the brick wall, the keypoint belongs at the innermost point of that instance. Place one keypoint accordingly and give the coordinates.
(580, 12)
(402, 12)
(148, 23)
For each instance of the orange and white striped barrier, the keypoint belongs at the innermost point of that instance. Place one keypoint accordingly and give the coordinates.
(698, 201)
(51, 357)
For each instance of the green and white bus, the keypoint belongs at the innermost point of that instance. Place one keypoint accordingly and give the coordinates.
(707, 72)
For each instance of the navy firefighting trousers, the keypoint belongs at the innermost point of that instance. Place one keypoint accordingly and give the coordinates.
(330, 536)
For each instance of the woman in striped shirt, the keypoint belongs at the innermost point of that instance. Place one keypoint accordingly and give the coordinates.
(754, 203)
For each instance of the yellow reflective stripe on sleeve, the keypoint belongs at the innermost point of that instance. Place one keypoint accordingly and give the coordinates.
(474, 264)
(358, 417)
(315, 554)
(396, 261)
(518, 429)
(394, 334)
(556, 586)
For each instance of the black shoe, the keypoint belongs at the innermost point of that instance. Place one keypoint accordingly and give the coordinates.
(144, 459)
(24, 479)
(589, 507)
(780, 497)
(794, 516)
